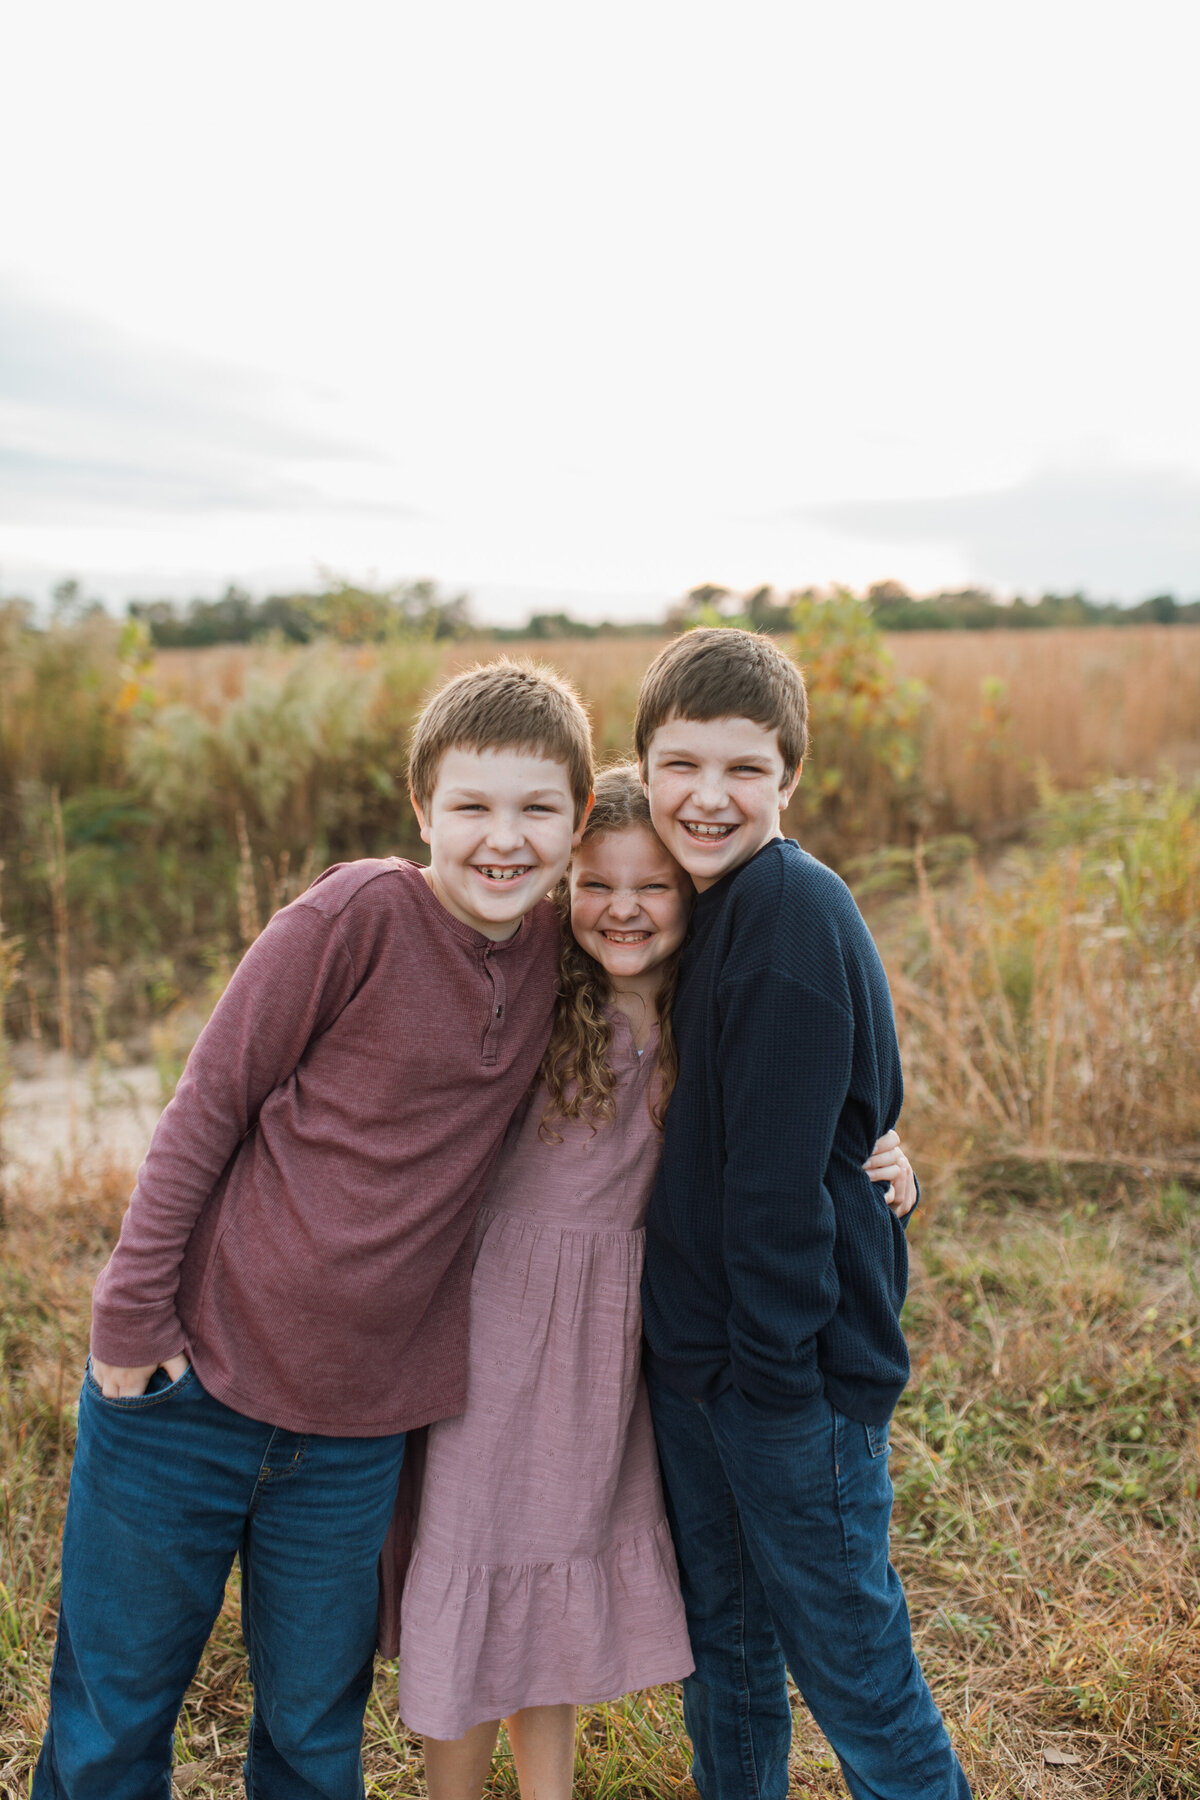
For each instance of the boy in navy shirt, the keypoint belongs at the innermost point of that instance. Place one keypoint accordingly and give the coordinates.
(775, 1271)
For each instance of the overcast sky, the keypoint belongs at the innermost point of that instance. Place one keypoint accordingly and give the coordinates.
(583, 305)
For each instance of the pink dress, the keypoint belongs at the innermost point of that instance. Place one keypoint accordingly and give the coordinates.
(542, 1569)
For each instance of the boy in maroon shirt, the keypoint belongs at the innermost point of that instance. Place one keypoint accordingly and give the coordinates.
(289, 1293)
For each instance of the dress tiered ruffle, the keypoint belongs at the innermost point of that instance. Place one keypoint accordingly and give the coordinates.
(542, 1569)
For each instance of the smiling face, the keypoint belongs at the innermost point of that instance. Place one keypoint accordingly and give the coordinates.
(716, 789)
(630, 902)
(500, 826)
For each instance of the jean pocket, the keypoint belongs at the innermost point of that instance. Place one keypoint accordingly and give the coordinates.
(877, 1439)
(160, 1387)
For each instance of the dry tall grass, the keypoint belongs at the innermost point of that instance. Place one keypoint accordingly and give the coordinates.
(1047, 1521)
(1006, 709)
(1050, 1010)
(1046, 1518)
(1046, 1452)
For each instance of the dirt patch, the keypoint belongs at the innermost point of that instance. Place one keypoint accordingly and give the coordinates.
(63, 1116)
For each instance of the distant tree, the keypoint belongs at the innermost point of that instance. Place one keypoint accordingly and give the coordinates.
(288, 615)
(1061, 609)
(363, 615)
(887, 593)
(1161, 609)
(65, 599)
(757, 609)
(451, 617)
(707, 604)
(558, 625)
(68, 604)
(229, 620)
(161, 619)
(764, 612)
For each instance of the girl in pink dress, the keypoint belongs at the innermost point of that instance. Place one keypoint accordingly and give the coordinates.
(542, 1574)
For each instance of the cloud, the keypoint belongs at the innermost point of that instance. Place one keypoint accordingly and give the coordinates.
(34, 485)
(94, 421)
(1113, 531)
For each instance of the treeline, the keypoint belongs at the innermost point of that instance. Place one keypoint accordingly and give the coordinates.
(976, 609)
(893, 608)
(362, 615)
(342, 610)
(350, 613)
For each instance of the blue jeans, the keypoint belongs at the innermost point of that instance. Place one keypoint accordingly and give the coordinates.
(166, 1490)
(780, 1523)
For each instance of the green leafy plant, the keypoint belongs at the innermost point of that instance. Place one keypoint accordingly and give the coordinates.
(862, 783)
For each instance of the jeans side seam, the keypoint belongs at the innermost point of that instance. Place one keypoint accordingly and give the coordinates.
(250, 1641)
(901, 1726)
(748, 1758)
(45, 1765)
(851, 1581)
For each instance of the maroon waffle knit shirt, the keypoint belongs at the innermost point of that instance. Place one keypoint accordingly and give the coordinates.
(302, 1223)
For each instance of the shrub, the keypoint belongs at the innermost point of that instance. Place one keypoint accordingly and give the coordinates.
(862, 781)
(186, 824)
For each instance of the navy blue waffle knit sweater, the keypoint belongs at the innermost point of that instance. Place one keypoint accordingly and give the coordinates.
(772, 1262)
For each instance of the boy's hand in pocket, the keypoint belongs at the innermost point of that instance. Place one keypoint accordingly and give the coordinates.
(126, 1384)
(887, 1162)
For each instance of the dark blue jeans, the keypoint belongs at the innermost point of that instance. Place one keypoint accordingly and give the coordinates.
(166, 1490)
(780, 1523)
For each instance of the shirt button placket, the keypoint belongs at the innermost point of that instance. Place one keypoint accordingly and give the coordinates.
(491, 1037)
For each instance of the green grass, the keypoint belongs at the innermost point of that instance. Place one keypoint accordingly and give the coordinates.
(1047, 1526)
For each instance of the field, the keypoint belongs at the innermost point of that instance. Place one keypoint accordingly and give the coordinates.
(1046, 1522)
(1021, 814)
(1004, 708)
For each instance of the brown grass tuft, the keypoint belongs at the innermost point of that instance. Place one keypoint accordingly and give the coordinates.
(1049, 1010)
(1045, 1464)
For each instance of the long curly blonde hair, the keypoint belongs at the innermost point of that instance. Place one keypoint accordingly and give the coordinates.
(577, 1068)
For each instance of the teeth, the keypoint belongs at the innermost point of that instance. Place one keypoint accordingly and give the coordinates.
(495, 874)
(627, 937)
(708, 831)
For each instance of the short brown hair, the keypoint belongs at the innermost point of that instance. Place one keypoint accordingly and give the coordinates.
(725, 673)
(503, 705)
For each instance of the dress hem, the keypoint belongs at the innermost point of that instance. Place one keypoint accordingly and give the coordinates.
(449, 1730)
